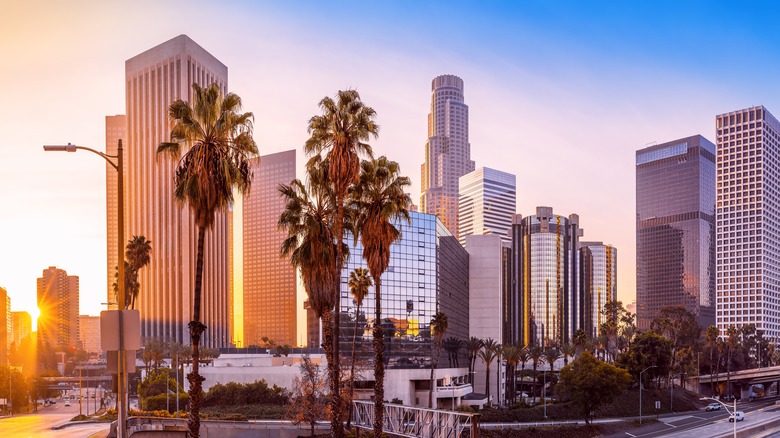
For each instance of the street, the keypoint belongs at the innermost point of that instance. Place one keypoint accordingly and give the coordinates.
(40, 424)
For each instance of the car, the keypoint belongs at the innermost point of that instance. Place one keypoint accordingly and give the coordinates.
(739, 415)
(712, 407)
(67, 403)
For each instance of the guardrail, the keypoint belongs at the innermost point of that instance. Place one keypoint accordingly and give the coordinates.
(413, 422)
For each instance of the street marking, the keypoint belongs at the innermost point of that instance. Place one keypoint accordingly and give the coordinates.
(634, 436)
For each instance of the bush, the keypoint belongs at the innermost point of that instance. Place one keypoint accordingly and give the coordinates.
(465, 409)
(159, 402)
(255, 412)
(233, 393)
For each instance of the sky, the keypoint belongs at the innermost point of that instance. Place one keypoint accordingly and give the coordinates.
(561, 94)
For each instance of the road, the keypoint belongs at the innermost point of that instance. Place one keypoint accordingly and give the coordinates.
(40, 424)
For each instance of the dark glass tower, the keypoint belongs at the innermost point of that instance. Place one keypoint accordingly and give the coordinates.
(675, 229)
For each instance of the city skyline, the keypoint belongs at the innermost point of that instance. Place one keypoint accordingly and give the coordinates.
(529, 70)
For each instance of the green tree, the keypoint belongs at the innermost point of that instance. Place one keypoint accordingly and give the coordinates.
(567, 350)
(340, 133)
(682, 329)
(647, 349)
(488, 354)
(523, 357)
(439, 324)
(580, 341)
(218, 138)
(590, 383)
(452, 346)
(377, 200)
(535, 353)
(512, 357)
(359, 283)
(308, 404)
(551, 355)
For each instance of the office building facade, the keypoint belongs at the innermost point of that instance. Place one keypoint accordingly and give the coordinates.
(116, 129)
(89, 334)
(748, 220)
(447, 151)
(6, 325)
(58, 301)
(598, 282)
(153, 80)
(269, 280)
(487, 203)
(675, 229)
(22, 326)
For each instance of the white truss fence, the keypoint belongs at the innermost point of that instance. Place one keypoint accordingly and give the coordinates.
(412, 422)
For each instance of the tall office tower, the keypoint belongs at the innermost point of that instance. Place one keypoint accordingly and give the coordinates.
(6, 325)
(545, 272)
(58, 301)
(89, 333)
(599, 283)
(675, 229)
(748, 220)
(269, 280)
(231, 285)
(447, 151)
(116, 129)
(22, 326)
(487, 203)
(153, 80)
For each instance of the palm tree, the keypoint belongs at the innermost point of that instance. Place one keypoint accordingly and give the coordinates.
(551, 355)
(512, 357)
(488, 354)
(473, 345)
(535, 353)
(340, 133)
(439, 325)
(377, 200)
(580, 340)
(359, 282)
(219, 140)
(523, 358)
(567, 350)
(138, 254)
(712, 334)
(732, 342)
(452, 345)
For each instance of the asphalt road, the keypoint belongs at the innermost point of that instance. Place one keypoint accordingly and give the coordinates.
(40, 424)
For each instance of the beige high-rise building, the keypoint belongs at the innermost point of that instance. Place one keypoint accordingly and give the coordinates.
(447, 151)
(22, 326)
(116, 129)
(269, 280)
(6, 325)
(488, 200)
(153, 80)
(58, 301)
(89, 333)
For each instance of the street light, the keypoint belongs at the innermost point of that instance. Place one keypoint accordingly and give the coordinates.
(727, 410)
(640, 390)
(119, 167)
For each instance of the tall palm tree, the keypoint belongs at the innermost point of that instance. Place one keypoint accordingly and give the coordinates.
(473, 345)
(453, 345)
(712, 334)
(340, 133)
(376, 201)
(218, 138)
(512, 357)
(359, 282)
(535, 353)
(732, 342)
(138, 254)
(551, 355)
(439, 325)
(580, 340)
(567, 350)
(488, 354)
(523, 358)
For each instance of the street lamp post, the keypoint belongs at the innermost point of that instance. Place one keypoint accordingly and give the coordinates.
(119, 167)
(640, 390)
(727, 410)
(544, 391)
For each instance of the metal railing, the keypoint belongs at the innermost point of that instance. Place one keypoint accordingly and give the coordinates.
(413, 422)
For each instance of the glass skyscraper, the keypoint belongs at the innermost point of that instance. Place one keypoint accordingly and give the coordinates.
(675, 229)
(748, 220)
(487, 204)
(599, 283)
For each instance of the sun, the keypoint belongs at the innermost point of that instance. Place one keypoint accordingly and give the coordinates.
(35, 312)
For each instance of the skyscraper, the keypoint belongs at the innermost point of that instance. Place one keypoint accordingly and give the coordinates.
(269, 280)
(153, 80)
(89, 333)
(748, 220)
(6, 325)
(447, 151)
(599, 283)
(675, 229)
(116, 129)
(58, 301)
(22, 326)
(487, 204)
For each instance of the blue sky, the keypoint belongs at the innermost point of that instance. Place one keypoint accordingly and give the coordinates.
(560, 93)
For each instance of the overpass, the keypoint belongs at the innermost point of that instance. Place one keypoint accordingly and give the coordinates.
(739, 381)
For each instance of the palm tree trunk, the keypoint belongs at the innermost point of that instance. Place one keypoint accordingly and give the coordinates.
(434, 364)
(196, 330)
(487, 381)
(379, 360)
(336, 402)
(352, 368)
(712, 382)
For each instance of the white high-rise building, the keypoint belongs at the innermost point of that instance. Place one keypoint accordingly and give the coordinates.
(447, 151)
(488, 200)
(748, 220)
(153, 80)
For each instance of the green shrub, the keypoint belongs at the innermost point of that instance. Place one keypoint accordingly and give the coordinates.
(159, 402)
(233, 393)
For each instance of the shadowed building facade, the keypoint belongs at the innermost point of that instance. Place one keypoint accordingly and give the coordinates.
(269, 280)
(153, 80)
(447, 151)
(598, 282)
(675, 229)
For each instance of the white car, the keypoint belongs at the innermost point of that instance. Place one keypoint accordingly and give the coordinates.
(740, 416)
(67, 403)
(712, 407)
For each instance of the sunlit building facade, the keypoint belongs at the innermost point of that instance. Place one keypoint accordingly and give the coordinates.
(675, 229)
(598, 283)
(58, 301)
(487, 203)
(89, 334)
(447, 151)
(748, 220)
(546, 276)
(6, 325)
(153, 80)
(22, 326)
(269, 280)
(116, 129)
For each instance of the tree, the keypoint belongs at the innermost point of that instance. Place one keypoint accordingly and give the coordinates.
(648, 349)
(512, 357)
(376, 201)
(473, 345)
(308, 403)
(535, 353)
(359, 282)
(712, 334)
(567, 350)
(452, 346)
(732, 342)
(580, 341)
(137, 255)
(551, 355)
(680, 326)
(523, 358)
(439, 325)
(616, 319)
(590, 383)
(488, 354)
(218, 137)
